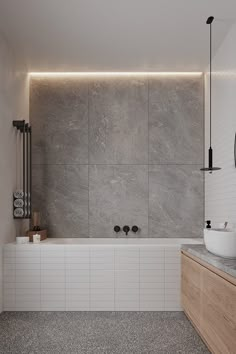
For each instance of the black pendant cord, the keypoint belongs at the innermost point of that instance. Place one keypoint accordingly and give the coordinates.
(210, 167)
(210, 78)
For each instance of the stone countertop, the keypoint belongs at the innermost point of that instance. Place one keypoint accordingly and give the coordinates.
(226, 265)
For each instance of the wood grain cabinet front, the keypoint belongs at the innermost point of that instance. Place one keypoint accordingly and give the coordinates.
(209, 301)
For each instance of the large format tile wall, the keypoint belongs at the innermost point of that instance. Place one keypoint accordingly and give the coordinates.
(125, 150)
(83, 278)
(220, 197)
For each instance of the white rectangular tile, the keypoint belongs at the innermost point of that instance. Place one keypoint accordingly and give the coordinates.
(77, 307)
(52, 260)
(173, 266)
(52, 266)
(102, 285)
(146, 298)
(127, 266)
(152, 307)
(151, 285)
(28, 285)
(154, 292)
(132, 297)
(52, 276)
(53, 298)
(126, 276)
(127, 306)
(77, 266)
(69, 285)
(53, 291)
(25, 254)
(27, 276)
(106, 276)
(102, 266)
(172, 285)
(101, 298)
(101, 291)
(76, 260)
(77, 298)
(27, 292)
(124, 291)
(25, 266)
(77, 276)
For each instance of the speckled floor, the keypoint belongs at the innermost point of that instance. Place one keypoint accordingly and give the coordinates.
(98, 332)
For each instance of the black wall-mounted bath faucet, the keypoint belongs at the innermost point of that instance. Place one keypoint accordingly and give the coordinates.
(135, 229)
(126, 229)
(117, 228)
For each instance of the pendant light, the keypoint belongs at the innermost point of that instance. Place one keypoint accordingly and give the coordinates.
(210, 167)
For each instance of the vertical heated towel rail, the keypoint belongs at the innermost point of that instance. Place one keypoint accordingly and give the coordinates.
(26, 134)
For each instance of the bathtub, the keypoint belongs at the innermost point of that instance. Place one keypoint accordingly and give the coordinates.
(93, 274)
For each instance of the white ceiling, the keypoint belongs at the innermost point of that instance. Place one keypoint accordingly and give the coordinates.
(120, 35)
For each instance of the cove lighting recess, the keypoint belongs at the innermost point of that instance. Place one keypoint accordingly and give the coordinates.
(116, 73)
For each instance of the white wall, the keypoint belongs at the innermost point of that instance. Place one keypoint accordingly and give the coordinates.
(13, 105)
(220, 197)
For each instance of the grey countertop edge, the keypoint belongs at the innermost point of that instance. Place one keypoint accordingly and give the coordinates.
(227, 266)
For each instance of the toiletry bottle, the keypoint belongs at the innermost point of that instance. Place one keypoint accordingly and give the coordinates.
(208, 226)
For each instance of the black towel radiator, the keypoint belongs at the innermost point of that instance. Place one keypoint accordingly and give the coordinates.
(26, 130)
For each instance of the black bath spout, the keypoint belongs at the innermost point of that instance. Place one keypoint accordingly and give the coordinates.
(126, 229)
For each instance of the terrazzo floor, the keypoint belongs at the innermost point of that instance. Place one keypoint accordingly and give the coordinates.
(98, 333)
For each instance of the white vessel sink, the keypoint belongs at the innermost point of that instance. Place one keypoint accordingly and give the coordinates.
(221, 242)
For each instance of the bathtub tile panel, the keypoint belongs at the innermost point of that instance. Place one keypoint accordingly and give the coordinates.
(119, 278)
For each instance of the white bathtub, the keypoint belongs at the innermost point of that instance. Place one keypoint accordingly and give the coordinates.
(122, 241)
(93, 275)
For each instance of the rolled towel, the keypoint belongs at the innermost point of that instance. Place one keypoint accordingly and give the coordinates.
(18, 194)
(18, 213)
(18, 203)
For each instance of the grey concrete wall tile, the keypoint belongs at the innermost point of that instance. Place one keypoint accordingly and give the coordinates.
(118, 118)
(118, 195)
(176, 120)
(107, 124)
(59, 119)
(60, 193)
(175, 201)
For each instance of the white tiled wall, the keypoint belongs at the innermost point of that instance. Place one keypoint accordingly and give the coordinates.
(220, 196)
(96, 278)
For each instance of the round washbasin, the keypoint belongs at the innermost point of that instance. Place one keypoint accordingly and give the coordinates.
(221, 242)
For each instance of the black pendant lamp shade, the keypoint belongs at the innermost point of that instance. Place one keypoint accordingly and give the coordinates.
(210, 167)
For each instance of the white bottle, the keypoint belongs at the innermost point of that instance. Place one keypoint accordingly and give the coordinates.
(36, 238)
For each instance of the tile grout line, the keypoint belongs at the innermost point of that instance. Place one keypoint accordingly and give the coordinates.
(88, 90)
(64, 253)
(148, 207)
(15, 275)
(40, 281)
(164, 279)
(114, 284)
(119, 164)
(139, 279)
(89, 308)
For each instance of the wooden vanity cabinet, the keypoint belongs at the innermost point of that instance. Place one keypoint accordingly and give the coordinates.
(208, 298)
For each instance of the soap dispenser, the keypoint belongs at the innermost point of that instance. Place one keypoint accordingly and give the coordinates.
(208, 226)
